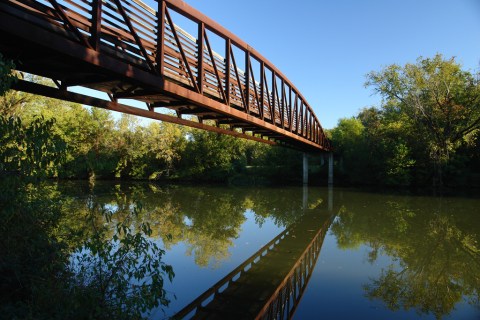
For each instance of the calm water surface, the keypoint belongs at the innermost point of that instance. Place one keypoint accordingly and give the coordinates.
(350, 254)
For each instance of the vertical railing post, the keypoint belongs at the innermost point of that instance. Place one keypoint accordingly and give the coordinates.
(312, 128)
(310, 125)
(304, 116)
(306, 121)
(160, 57)
(295, 114)
(282, 105)
(262, 88)
(96, 28)
(290, 107)
(200, 49)
(228, 49)
(274, 90)
(247, 81)
(300, 122)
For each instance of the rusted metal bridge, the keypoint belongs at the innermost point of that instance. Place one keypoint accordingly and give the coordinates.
(269, 284)
(129, 50)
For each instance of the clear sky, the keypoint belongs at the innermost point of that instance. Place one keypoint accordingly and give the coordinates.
(327, 47)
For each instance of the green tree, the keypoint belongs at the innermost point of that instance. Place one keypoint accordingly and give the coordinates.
(131, 148)
(348, 140)
(212, 156)
(388, 147)
(114, 277)
(441, 101)
(6, 74)
(31, 261)
(166, 142)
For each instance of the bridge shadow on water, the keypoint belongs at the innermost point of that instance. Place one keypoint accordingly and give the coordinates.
(269, 284)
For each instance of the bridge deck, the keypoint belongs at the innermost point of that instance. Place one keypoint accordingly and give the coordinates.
(131, 51)
(270, 284)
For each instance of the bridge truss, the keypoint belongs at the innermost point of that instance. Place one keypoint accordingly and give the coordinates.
(132, 51)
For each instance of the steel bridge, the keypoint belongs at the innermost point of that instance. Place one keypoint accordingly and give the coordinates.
(132, 51)
(269, 284)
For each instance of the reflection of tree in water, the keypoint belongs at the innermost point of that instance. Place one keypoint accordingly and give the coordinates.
(436, 244)
(206, 219)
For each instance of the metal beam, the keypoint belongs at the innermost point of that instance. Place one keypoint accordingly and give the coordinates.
(200, 100)
(30, 87)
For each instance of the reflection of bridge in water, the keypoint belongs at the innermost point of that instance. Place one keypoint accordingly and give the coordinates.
(270, 284)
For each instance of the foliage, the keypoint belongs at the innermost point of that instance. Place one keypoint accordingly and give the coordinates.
(425, 130)
(114, 277)
(6, 74)
(30, 150)
(38, 279)
(348, 139)
(441, 101)
(122, 274)
(31, 261)
(212, 155)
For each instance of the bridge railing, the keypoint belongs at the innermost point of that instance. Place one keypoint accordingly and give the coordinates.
(260, 89)
(150, 39)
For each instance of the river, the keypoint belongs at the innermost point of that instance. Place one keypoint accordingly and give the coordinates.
(343, 254)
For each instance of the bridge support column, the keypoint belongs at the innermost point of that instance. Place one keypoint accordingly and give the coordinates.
(305, 168)
(330, 168)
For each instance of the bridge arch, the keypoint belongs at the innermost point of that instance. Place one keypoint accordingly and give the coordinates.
(132, 51)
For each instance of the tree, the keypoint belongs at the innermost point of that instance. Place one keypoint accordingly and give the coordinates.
(347, 137)
(212, 156)
(6, 75)
(166, 142)
(441, 101)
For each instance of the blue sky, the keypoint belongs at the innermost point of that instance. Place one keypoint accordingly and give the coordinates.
(327, 47)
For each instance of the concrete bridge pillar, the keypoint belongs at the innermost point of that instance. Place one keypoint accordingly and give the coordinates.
(305, 168)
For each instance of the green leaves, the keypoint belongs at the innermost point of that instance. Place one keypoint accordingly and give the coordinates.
(6, 74)
(439, 99)
(123, 266)
(31, 150)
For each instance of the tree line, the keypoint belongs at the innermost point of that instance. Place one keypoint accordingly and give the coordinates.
(425, 132)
